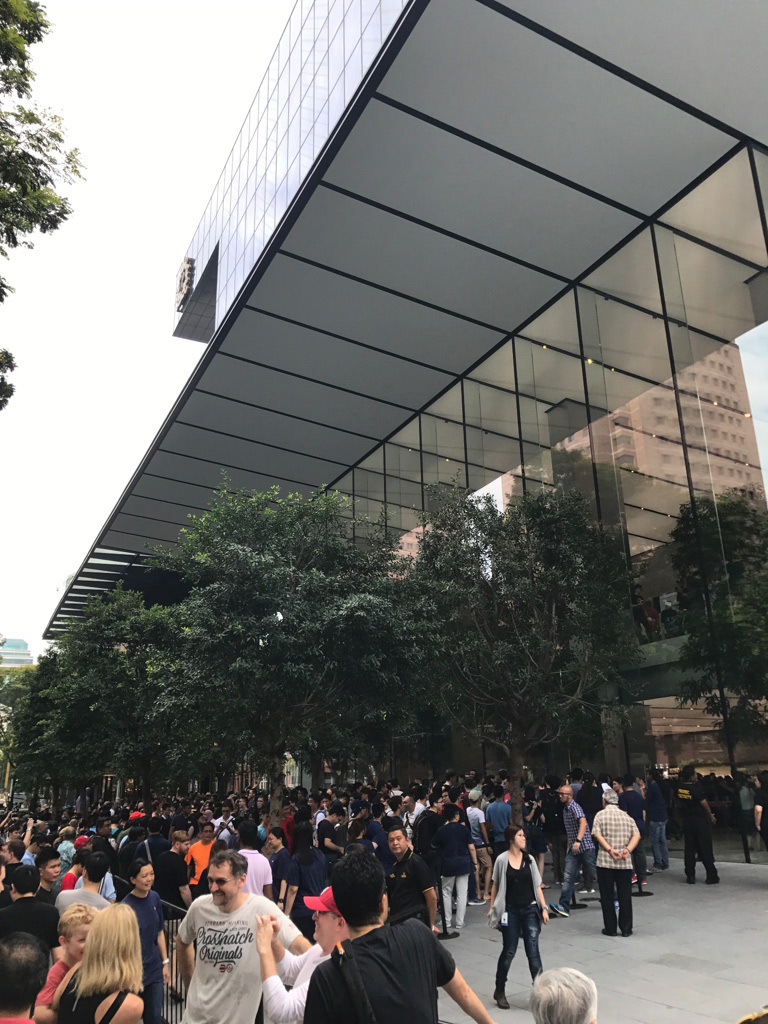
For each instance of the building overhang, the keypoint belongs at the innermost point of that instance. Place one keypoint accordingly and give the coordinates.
(494, 155)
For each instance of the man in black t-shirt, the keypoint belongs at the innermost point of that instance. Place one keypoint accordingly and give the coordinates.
(410, 886)
(326, 835)
(26, 914)
(697, 819)
(172, 874)
(400, 966)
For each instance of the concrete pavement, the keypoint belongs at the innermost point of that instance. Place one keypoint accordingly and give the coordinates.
(697, 955)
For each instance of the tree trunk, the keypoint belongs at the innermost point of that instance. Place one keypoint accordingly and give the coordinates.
(276, 778)
(146, 781)
(316, 768)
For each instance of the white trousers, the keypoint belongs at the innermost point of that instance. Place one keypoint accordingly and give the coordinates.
(461, 882)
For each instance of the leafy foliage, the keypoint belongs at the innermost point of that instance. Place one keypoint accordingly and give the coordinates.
(292, 635)
(93, 705)
(721, 558)
(34, 159)
(532, 605)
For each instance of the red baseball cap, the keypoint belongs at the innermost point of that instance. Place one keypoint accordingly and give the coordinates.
(135, 815)
(82, 841)
(324, 901)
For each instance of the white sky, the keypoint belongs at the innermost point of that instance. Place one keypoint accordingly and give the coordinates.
(153, 93)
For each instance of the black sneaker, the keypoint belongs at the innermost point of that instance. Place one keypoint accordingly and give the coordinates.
(611, 934)
(713, 881)
(690, 880)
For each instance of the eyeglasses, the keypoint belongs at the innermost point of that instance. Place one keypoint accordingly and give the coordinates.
(218, 882)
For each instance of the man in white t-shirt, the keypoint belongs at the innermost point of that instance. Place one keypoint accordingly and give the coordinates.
(259, 877)
(216, 945)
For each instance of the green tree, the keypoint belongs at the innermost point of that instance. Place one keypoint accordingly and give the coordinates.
(116, 660)
(291, 634)
(94, 704)
(720, 555)
(532, 607)
(34, 160)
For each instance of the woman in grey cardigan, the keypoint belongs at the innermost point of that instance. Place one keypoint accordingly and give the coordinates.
(517, 908)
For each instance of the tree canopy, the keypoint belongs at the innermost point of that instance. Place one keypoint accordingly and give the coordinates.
(292, 636)
(34, 160)
(721, 558)
(532, 609)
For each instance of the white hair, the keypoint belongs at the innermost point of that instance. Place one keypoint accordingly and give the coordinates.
(564, 996)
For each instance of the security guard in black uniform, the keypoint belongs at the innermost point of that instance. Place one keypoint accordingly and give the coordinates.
(698, 819)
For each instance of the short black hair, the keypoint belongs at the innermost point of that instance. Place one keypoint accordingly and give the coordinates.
(96, 865)
(23, 970)
(498, 792)
(358, 884)
(628, 780)
(394, 823)
(26, 879)
(278, 832)
(47, 854)
(133, 868)
(248, 831)
(154, 826)
(451, 811)
(688, 772)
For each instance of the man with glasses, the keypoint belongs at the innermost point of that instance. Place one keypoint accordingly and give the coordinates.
(581, 852)
(216, 946)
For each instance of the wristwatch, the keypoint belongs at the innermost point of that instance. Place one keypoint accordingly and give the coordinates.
(166, 962)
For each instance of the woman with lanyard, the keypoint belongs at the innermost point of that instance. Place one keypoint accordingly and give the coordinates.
(517, 908)
(146, 905)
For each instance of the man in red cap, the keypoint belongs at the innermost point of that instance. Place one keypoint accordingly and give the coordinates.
(279, 967)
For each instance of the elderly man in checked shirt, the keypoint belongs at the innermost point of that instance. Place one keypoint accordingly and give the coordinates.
(581, 852)
(617, 835)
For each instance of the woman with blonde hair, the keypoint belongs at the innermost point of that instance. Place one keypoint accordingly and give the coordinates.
(104, 988)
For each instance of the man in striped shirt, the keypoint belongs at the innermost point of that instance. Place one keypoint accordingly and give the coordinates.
(581, 852)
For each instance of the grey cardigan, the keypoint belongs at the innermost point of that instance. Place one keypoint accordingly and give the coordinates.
(500, 878)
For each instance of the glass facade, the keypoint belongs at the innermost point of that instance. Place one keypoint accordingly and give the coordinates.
(629, 387)
(321, 58)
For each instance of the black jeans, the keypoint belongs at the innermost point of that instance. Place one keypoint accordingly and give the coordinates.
(697, 833)
(639, 861)
(522, 921)
(616, 884)
(558, 844)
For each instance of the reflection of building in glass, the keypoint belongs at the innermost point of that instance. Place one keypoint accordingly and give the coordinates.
(484, 244)
(15, 652)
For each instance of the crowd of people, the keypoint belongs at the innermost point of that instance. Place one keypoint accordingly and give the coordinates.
(334, 914)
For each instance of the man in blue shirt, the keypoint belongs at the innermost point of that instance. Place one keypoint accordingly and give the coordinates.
(498, 814)
(633, 804)
(581, 852)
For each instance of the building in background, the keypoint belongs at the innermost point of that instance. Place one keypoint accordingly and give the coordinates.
(508, 245)
(15, 652)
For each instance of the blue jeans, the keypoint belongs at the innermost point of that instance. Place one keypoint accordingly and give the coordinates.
(587, 859)
(522, 921)
(659, 844)
(153, 1003)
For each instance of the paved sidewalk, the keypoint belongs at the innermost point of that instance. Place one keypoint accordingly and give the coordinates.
(697, 955)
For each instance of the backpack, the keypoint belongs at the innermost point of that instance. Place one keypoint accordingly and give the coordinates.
(425, 830)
